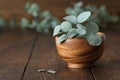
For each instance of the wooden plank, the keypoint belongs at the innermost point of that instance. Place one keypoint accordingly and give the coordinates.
(15, 50)
(115, 41)
(108, 68)
(45, 56)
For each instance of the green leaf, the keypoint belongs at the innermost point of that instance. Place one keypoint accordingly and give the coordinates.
(66, 26)
(81, 32)
(38, 29)
(78, 4)
(70, 11)
(54, 23)
(56, 30)
(78, 11)
(2, 22)
(79, 26)
(34, 9)
(94, 40)
(83, 16)
(35, 14)
(45, 13)
(78, 8)
(92, 28)
(72, 33)
(95, 18)
(41, 70)
(28, 5)
(24, 23)
(51, 71)
(71, 19)
(44, 22)
(62, 38)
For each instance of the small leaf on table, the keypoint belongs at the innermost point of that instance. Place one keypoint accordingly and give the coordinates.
(51, 71)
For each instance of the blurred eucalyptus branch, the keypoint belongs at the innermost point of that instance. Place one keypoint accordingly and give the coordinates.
(3, 23)
(42, 21)
(100, 15)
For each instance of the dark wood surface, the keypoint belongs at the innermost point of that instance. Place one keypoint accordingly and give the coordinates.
(22, 54)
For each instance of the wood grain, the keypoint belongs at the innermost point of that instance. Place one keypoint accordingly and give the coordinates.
(44, 56)
(14, 53)
(20, 59)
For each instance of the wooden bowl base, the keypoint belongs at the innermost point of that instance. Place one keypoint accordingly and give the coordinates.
(72, 65)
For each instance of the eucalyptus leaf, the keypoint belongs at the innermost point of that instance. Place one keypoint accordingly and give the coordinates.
(78, 5)
(45, 13)
(43, 22)
(66, 26)
(2, 22)
(33, 25)
(91, 27)
(35, 7)
(56, 30)
(70, 11)
(78, 8)
(24, 23)
(83, 16)
(28, 5)
(54, 23)
(81, 32)
(51, 71)
(94, 39)
(72, 19)
(72, 33)
(41, 70)
(79, 26)
(78, 11)
(62, 38)
(94, 18)
(35, 14)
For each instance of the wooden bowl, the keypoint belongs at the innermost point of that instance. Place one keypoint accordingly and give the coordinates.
(78, 53)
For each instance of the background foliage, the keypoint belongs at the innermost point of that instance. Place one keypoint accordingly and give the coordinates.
(44, 21)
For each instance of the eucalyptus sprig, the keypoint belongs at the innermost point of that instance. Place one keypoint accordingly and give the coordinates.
(42, 21)
(100, 15)
(78, 27)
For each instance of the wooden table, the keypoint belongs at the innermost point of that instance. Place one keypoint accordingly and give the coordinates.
(21, 55)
